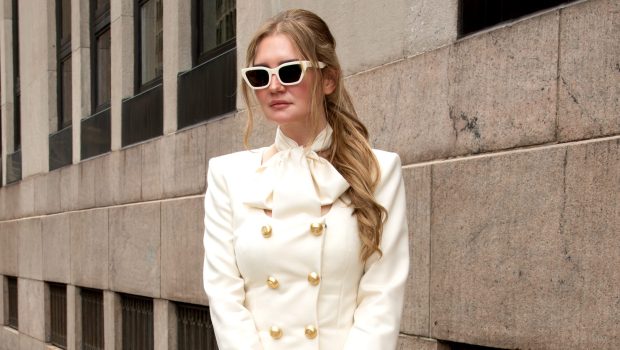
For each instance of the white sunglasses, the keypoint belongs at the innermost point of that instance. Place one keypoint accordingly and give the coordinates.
(289, 73)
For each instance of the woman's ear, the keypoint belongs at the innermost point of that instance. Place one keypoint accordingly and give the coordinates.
(329, 81)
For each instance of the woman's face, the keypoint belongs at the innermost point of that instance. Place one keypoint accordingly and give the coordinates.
(286, 105)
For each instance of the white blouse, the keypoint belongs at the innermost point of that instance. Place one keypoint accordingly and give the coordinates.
(295, 280)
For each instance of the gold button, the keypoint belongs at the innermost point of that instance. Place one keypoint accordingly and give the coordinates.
(266, 231)
(272, 282)
(317, 228)
(310, 332)
(314, 278)
(275, 332)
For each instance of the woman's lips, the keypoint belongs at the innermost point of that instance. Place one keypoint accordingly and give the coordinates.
(279, 104)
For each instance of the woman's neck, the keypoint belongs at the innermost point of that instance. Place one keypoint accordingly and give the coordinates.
(304, 133)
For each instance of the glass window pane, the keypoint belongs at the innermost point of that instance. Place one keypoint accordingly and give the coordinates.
(103, 68)
(101, 5)
(151, 40)
(65, 30)
(218, 23)
(65, 68)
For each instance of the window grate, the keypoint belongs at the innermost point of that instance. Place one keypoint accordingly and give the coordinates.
(194, 328)
(12, 287)
(92, 319)
(58, 314)
(137, 323)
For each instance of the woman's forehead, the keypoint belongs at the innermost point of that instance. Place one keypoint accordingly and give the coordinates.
(276, 49)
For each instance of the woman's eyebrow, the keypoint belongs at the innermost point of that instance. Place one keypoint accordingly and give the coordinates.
(280, 63)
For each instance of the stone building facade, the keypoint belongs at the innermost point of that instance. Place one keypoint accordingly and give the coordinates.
(509, 138)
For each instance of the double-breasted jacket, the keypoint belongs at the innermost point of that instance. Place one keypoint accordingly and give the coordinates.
(300, 283)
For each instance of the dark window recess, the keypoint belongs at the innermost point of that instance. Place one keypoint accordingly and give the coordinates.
(63, 39)
(12, 299)
(208, 90)
(61, 152)
(14, 167)
(462, 346)
(16, 82)
(194, 328)
(137, 323)
(143, 116)
(100, 54)
(476, 15)
(58, 314)
(149, 43)
(95, 134)
(92, 319)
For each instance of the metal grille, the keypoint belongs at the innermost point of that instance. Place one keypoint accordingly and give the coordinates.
(95, 134)
(195, 330)
(92, 319)
(58, 314)
(143, 116)
(12, 282)
(137, 323)
(60, 148)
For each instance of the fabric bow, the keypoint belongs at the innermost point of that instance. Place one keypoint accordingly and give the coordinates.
(296, 180)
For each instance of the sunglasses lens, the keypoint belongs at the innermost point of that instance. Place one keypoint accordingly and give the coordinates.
(257, 77)
(290, 74)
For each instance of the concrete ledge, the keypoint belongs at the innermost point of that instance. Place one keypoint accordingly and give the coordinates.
(89, 248)
(9, 243)
(410, 342)
(31, 308)
(56, 243)
(9, 338)
(30, 253)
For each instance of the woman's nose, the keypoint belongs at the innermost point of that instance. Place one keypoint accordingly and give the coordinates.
(275, 84)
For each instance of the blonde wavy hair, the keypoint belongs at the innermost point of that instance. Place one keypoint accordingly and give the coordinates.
(350, 152)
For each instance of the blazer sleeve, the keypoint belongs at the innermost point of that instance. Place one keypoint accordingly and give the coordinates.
(232, 321)
(381, 291)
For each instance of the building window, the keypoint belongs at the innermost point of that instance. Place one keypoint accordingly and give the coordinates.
(143, 114)
(60, 140)
(63, 25)
(214, 27)
(12, 320)
(209, 88)
(14, 157)
(194, 328)
(58, 314)
(476, 15)
(137, 322)
(92, 319)
(95, 135)
(101, 58)
(149, 40)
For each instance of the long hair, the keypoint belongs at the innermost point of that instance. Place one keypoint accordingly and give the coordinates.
(350, 151)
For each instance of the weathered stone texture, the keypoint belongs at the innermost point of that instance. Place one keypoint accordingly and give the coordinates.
(30, 253)
(8, 248)
(89, 248)
(498, 276)
(47, 193)
(28, 343)
(157, 166)
(135, 249)
(589, 70)
(127, 174)
(182, 250)
(416, 313)
(9, 339)
(31, 314)
(69, 187)
(86, 184)
(56, 242)
(189, 169)
(404, 106)
(502, 87)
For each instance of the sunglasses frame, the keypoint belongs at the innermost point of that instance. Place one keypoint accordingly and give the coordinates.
(271, 71)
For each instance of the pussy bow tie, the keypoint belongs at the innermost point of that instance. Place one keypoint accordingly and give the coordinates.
(296, 181)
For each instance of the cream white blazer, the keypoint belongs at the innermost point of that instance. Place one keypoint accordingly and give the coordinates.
(301, 285)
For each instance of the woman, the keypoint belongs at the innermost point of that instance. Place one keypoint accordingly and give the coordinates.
(305, 240)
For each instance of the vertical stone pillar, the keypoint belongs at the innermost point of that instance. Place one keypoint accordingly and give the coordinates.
(6, 82)
(74, 318)
(3, 295)
(37, 55)
(164, 325)
(177, 55)
(122, 65)
(32, 306)
(113, 328)
(80, 69)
